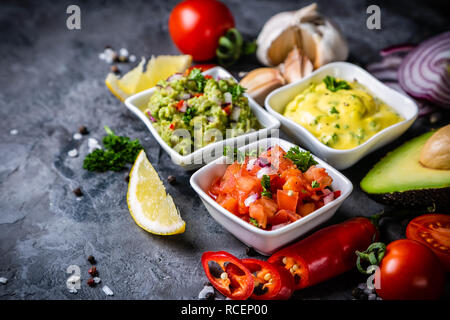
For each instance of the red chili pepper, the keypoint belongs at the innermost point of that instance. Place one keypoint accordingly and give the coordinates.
(172, 126)
(180, 104)
(237, 285)
(272, 282)
(227, 109)
(327, 252)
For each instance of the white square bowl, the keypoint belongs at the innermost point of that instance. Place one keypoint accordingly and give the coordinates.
(277, 100)
(138, 103)
(263, 241)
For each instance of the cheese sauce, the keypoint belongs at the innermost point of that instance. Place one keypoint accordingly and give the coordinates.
(343, 118)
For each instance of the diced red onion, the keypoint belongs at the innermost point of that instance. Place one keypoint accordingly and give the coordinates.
(175, 76)
(327, 199)
(262, 171)
(263, 162)
(424, 72)
(151, 117)
(184, 96)
(235, 113)
(251, 164)
(227, 97)
(278, 226)
(252, 198)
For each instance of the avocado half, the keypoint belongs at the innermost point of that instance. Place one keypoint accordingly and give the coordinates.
(399, 179)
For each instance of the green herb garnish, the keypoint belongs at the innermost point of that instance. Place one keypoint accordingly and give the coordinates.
(302, 159)
(197, 76)
(236, 91)
(188, 115)
(265, 183)
(335, 85)
(254, 222)
(333, 110)
(117, 152)
(315, 184)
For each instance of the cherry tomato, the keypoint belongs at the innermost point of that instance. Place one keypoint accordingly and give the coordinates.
(433, 230)
(410, 271)
(196, 26)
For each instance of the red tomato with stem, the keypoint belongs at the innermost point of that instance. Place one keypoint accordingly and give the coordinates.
(196, 26)
(410, 271)
(433, 230)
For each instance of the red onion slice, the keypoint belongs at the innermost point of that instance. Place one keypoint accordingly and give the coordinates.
(252, 198)
(397, 49)
(425, 73)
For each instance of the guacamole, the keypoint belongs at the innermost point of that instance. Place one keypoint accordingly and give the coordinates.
(341, 114)
(193, 110)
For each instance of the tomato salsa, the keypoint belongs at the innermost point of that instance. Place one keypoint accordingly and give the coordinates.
(273, 189)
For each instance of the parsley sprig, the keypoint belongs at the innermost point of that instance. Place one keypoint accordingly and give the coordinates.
(335, 85)
(302, 159)
(117, 152)
(197, 76)
(265, 183)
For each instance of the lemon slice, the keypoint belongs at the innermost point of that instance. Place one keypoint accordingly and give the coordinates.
(150, 206)
(137, 80)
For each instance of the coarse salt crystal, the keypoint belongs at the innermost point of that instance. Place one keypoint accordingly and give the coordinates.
(107, 290)
(93, 144)
(102, 56)
(97, 280)
(14, 132)
(132, 58)
(73, 153)
(205, 291)
(77, 136)
(74, 291)
(242, 74)
(3, 280)
(123, 52)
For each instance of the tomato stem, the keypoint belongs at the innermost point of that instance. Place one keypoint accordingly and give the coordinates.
(373, 254)
(232, 46)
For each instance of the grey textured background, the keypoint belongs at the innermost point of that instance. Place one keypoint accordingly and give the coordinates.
(53, 81)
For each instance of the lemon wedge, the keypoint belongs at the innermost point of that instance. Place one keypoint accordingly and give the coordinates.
(150, 206)
(137, 80)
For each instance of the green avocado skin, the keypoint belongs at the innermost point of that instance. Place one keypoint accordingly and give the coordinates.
(385, 182)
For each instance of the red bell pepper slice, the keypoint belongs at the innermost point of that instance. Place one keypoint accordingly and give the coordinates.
(327, 252)
(272, 282)
(237, 285)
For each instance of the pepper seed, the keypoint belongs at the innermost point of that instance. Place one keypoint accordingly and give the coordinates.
(91, 260)
(83, 130)
(78, 192)
(171, 179)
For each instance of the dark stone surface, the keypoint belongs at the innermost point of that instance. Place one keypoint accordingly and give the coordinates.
(53, 82)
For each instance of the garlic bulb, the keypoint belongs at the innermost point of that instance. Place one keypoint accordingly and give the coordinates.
(306, 29)
(261, 81)
(296, 66)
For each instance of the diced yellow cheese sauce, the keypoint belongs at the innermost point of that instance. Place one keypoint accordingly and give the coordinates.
(343, 119)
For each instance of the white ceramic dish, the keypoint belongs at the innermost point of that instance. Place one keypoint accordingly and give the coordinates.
(277, 100)
(266, 242)
(138, 102)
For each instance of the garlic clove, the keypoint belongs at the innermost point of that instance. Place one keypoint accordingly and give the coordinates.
(261, 81)
(296, 66)
(320, 39)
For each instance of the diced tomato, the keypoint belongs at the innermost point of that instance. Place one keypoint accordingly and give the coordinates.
(215, 186)
(320, 175)
(230, 204)
(248, 184)
(294, 183)
(180, 104)
(198, 95)
(287, 199)
(172, 126)
(306, 208)
(256, 211)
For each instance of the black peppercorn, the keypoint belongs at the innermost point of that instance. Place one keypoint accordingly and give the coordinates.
(171, 179)
(78, 192)
(91, 260)
(83, 130)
